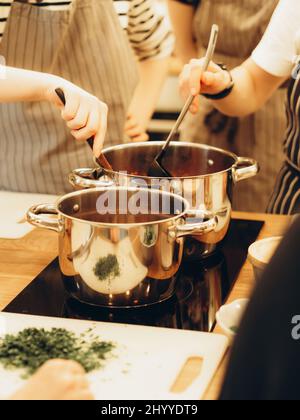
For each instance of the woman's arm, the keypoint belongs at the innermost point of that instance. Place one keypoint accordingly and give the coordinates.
(253, 86)
(152, 76)
(182, 16)
(84, 114)
(21, 85)
(271, 63)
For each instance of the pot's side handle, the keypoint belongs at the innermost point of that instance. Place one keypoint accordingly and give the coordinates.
(89, 178)
(244, 168)
(195, 227)
(39, 216)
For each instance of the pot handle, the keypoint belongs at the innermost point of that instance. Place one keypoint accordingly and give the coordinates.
(195, 228)
(39, 216)
(89, 178)
(244, 168)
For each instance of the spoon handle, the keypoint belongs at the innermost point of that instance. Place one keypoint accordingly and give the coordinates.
(211, 46)
(178, 122)
(208, 57)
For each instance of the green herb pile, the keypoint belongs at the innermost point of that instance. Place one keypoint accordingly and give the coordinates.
(234, 330)
(107, 268)
(149, 236)
(32, 347)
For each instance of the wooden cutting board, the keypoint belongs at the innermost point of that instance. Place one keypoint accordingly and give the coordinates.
(13, 209)
(145, 364)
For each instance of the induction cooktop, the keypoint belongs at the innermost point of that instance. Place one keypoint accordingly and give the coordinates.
(203, 285)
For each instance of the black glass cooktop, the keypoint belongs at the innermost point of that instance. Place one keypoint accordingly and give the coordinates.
(202, 287)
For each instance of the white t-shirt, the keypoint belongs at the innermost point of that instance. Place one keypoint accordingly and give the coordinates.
(278, 50)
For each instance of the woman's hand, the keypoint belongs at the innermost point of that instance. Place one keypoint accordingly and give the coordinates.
(84, 114)
(56, 380)
(193, 81)
(134, 131)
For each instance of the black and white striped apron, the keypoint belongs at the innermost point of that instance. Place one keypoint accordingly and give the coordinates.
(84, 44)
(242, 24)
(286, 195)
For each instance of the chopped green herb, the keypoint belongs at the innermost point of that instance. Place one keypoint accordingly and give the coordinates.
(32, 347)
(149, 236)
(107, 268)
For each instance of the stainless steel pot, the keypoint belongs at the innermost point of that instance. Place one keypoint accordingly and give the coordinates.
(203, 175)
(117, 256)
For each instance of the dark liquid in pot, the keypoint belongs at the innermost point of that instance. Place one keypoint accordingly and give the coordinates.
(181, 161)
(95, 217)
(114, 206)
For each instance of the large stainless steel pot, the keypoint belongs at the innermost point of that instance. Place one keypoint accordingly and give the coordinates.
(203, 175)
(119, 256)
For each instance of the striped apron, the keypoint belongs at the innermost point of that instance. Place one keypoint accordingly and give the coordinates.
(286, 195)
(242, 24)
(84, 44)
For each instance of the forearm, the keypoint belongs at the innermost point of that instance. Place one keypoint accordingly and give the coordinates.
(84, 114)
(253, 88)
(21, 85)
(152, 76)
(182, 17)
(242, 101)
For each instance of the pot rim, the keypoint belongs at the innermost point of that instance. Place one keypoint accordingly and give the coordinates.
(176, 144)
(122, 225)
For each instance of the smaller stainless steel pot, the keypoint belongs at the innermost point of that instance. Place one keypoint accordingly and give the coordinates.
(113, 255)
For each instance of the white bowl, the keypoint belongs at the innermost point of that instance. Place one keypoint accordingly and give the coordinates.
(229, 317)
(261, 252)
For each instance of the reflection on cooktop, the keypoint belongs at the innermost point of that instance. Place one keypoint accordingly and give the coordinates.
(202, 287)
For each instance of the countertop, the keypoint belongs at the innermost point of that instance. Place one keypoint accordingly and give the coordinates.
(22, 260)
